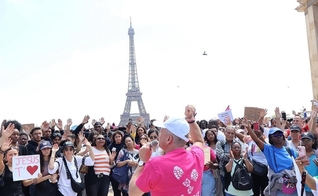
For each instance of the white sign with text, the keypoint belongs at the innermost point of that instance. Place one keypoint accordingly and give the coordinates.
(25, 167)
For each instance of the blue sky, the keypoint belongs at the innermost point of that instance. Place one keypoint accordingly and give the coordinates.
(61, 59)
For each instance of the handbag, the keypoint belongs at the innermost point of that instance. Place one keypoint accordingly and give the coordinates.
(120, 174)
(1, 179)
(84, 168)
(259, 168)
(76, 186)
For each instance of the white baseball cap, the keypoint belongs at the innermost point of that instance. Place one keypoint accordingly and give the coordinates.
(178, 126)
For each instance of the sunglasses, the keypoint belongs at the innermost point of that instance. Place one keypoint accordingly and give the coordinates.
(143, 138)
(278, 135)
(153, 137)
(100, 138)
(69, 149)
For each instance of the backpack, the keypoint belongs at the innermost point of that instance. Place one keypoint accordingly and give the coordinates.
(241, 178)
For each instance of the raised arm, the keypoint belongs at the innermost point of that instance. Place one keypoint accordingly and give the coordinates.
(5, 146)
(52, 158)
(90, 150)
(257, 140)
(195, 132)
(80, 126)
(6, 133)
(277, 117)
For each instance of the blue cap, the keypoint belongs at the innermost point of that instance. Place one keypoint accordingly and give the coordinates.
(274, 130)
(45, 144)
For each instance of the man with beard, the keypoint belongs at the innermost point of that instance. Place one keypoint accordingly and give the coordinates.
(32, 145)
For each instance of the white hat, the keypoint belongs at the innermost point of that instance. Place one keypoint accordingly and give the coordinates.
(178, 126)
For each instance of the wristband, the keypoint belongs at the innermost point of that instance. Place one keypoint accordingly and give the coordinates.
(190, 122)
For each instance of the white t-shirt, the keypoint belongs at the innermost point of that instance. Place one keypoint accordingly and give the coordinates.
(64, 184)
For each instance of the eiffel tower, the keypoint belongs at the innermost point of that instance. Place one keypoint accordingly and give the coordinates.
(133, 94)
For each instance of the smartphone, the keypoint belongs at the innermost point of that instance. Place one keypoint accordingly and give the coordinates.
(256, 126)
(301, 151)
(284, 115)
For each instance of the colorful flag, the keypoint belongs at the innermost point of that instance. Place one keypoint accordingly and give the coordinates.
(227, 108)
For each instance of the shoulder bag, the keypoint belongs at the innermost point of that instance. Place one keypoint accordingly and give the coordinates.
(84, 168)
(120, 174)
(76, 186)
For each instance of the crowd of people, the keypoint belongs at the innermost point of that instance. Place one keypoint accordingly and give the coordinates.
(178, 156)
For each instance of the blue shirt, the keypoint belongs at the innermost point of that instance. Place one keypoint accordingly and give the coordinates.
(312, 169)
(278, 159)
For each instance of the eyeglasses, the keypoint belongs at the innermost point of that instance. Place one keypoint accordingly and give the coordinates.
(100, 138)
(143, 138)
(23, 138)
(278, 135)
(153, 137)
(306, 140)
(69, 149)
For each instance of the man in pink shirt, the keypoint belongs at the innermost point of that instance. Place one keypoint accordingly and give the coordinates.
(179, 171)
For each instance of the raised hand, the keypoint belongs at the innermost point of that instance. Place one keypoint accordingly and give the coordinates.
(277, 112)
(190, 112)
(231, 154)
(245, 122)
(6, 145)
(245, 153)
(52, 123)
(55, 148)
(87, 143)
(102, 120)
(59, 124)
(263, 113)
(85, 119)
(45, 126)
(93, 122)
(112, 156)
(8, 131)
(69, 122)
(81, 136)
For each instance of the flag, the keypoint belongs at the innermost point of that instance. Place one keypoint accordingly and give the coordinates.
(227, 108)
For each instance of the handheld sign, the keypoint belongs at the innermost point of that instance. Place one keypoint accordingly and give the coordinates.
(206, 155)
(25, 167)
(226, 117)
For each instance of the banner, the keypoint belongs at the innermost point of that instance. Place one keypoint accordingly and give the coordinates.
(25, 167)
(226, 117)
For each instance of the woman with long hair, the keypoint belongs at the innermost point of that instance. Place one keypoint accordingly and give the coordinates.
(70, 161)
(211, 182)
(97, 179)
(46, 184)
(211, 139)
(132, 161)
(140, 131)
(10, 187)
(115, 146)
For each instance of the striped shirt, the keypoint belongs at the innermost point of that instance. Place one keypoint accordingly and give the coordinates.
(101, 164)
